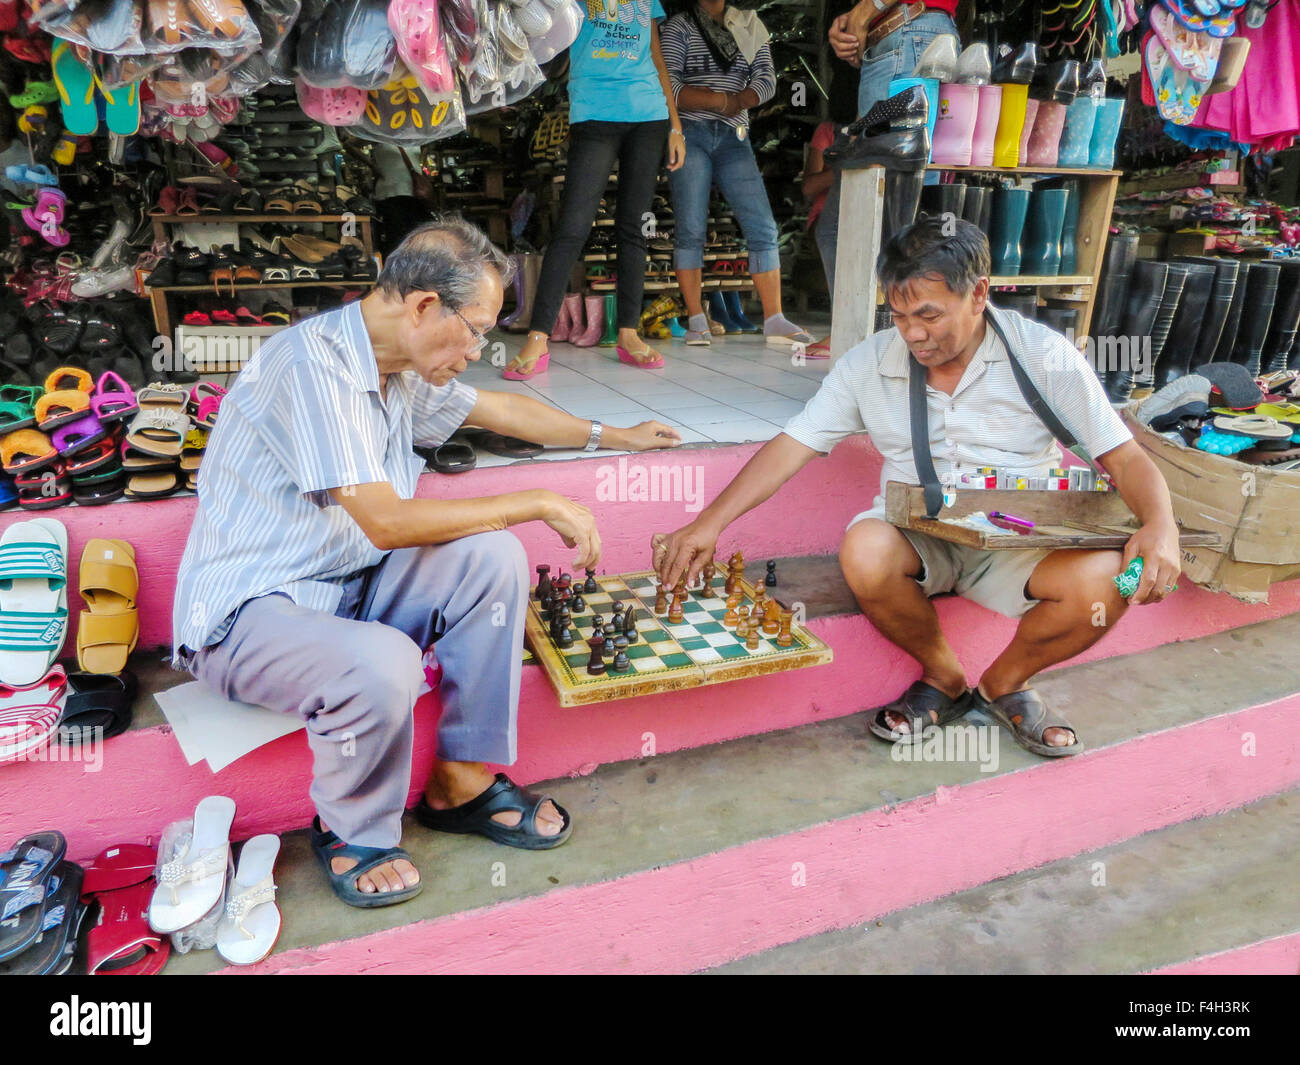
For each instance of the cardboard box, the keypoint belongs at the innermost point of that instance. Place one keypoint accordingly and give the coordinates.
(1255, 509)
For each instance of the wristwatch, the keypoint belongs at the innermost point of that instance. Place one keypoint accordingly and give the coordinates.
(593, 441)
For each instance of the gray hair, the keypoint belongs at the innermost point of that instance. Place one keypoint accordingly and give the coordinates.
(938, 247)
(448, 256)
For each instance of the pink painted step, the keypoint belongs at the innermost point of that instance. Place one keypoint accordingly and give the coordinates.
(1279, 956)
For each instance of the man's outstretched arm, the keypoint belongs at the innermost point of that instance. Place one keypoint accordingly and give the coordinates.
(684, 552)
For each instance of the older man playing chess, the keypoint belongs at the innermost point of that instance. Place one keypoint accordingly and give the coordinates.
(313, 580)
(937, 285)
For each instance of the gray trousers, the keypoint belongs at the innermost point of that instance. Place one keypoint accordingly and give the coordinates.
(353, 676)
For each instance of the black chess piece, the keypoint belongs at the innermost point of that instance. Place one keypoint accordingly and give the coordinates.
(564, 636)
(596, 663)
(543, 581)
(589, 586)
(598, 625)
(617, 619)
(579, 604)
(548, 606)
(770, 579)
(629, 625)
(621, 663)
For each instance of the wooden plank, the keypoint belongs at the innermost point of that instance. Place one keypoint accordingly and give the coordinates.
(853, 317)
(1090, 240)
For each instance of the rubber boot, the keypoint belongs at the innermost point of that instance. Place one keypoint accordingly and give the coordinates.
(1065, 320)
(986, 125)
(954, 133)
(1175, 280)
(1108, 313)
(1069, 231)
(1105, 132)
(1120, 362)
(1286, 318)
(972, 208)
(902, 197)
(1011, 124)
(1256, 315)
(571, 313)
(531, 272)
(1216, 314)
(737, 312)
(563, 324)
(720, 313)
(1010, 206)
(1232, 324)
(517, 285)
(1023, 303)
(1045, 139)
(595, 306)
(1031, 116)
(676, 328)
(1076, 137)
(1041, 252)
(1180, 349)
(941, 200)
(609, 339)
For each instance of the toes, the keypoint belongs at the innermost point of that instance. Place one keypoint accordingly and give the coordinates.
(509, 818)
(410, 874)
(896, 722)
(1059, 737)
(549, 820)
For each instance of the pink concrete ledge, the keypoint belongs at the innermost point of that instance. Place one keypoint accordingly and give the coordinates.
(1279, 956)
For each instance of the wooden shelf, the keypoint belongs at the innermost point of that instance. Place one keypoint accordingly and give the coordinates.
(355, 282)
(1067, 170)
(1067, 280)
(225, 219)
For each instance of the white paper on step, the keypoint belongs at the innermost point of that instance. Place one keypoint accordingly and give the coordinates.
(217, 730)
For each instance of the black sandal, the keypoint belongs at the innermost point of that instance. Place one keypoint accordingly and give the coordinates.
(451, 457)
(475, 816)
(97, 701)
(328, 846)
(1027, 718)
(915, 705)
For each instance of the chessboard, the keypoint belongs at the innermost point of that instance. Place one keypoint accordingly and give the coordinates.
(667, 656)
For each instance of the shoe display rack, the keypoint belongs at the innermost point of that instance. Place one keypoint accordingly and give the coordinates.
(862, 211)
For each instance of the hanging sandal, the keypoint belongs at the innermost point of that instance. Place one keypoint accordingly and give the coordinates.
(328, 846)
(504, 795)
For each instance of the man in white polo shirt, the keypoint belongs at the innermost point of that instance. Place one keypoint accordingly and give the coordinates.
(937, 285)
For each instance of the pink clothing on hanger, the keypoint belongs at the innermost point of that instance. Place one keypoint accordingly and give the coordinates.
(1264, 108)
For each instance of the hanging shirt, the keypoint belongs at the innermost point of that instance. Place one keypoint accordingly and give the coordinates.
(612, 74)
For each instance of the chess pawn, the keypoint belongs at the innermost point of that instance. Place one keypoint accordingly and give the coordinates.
(598, 625)
(661, 600)
(579, 604)
(785, 638)
(564, 636)
(607, 648)
(771, 618)
(543, 581)
(770, 579)
(563, 580)
(760, 604)
(589, 586)
(751, 638)
(618, 616)
(629, 625)
(596, 663)
(731, 618)
(675, 611)
(621, 663)
(548, 606)
(708, 573)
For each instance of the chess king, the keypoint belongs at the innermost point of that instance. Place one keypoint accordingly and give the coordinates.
(953, 351)
(313, 581)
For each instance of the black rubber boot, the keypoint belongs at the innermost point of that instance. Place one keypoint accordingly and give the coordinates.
(944, 199)
(1220, 306)
(1180, 349)
(1286, 318)
(1169, 302)
(902, 197)
(1256, 314)
(1232, 324)
(1108, 314)
(1145, 291)
(973, 207)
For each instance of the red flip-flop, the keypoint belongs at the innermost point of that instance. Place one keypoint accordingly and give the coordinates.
(247, 317)
(121, 943)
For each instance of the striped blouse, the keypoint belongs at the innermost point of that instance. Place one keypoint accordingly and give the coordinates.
(690, 62)
(303, 417)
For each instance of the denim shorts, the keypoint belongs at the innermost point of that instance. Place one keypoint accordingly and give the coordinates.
(896, 56)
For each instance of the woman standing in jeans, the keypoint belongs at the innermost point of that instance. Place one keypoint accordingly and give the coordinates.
(620, 108)
(720, 65)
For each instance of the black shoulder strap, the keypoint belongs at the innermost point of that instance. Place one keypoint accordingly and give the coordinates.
(920, 417)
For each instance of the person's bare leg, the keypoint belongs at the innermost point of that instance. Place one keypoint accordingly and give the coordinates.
(391, 876)
(881, 568)
(455, 783)
(689, 281)
(768, 286)
(1078, 604)
(533, 349)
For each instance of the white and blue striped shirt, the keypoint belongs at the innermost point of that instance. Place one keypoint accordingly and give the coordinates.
(689, 62)
(303, 417)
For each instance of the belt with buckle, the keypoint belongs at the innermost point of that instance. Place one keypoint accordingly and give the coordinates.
(890, 22)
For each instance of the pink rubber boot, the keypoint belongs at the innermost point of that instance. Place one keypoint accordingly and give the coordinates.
(571, 312)
(595, 323)
(955, 130)
(563, 324)
(986, 125)
(1045, 140)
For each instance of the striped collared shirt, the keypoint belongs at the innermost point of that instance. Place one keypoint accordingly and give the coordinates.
(305, 416)
(985, 422)
(689, 62)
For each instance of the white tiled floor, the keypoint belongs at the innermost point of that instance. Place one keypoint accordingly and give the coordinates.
(735, 391)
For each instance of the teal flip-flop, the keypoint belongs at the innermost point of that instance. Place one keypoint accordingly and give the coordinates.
(122, 107)
(76, 87)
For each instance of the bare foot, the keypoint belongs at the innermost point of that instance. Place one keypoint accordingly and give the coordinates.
(391, 876)
(534, 348)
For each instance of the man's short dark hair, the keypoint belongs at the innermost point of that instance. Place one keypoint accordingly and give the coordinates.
(448, 256)
(935, 248)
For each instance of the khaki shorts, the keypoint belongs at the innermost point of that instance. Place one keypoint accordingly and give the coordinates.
(997, 580)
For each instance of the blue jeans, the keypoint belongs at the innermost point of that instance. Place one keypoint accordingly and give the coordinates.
(716, 156)
(896, 56)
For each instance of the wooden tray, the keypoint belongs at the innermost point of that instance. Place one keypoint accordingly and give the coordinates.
(667, 657)
(1062, 519)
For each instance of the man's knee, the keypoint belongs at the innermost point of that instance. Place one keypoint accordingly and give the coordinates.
(1082, 579)
(382, 667)
(874, 554)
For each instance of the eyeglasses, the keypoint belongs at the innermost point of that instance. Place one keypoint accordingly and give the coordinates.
(480, 341)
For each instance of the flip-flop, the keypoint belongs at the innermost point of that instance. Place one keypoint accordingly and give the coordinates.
(33, 599)
(627, 357)
(122, 107)
(327, 846)
(539, 366)
(97, 705)
(25, 872)
(251, 923)
(121, 943)
(190, 884)
(51, 952)
(451, 457)
(915, 705)
(76, 87)
(1027, 718)
(1196, 53)
(475, 816)
(29, 714)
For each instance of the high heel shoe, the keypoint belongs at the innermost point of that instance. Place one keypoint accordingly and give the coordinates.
(893, 134)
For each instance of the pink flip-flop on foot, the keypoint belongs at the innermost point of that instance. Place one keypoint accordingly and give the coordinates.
(539, 366)
(626, 356)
